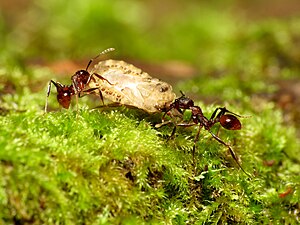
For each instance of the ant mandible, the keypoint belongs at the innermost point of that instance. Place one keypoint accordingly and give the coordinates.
(221, 115)
(79, 81)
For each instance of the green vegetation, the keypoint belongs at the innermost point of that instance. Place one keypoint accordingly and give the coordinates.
(110, 165)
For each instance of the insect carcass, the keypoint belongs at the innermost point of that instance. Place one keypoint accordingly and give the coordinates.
(129, 85)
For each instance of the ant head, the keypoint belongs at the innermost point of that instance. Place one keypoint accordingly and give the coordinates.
(64, 94)
(80, 79)
(81, 74)
(184, 102)
(230, 122)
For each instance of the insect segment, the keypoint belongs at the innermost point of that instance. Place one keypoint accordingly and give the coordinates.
(79, 81)
(131, 86)
(221, 115)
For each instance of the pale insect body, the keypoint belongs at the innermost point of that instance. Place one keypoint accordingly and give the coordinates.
(129, 85)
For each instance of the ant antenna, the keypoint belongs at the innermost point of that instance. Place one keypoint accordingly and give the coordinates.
(182, 94)
(101, 53)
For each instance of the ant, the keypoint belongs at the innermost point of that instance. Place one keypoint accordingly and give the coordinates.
(221, 115)
(79, 81)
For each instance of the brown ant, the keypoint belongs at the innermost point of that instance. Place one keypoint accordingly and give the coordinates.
(79, 81)
(221, 115)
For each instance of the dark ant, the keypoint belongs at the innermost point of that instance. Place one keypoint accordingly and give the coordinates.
(221, 115)
(79, 81)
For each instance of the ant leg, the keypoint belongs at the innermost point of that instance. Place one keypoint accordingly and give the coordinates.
(93, 90)
(173, 133)
(57, 85)
(77, 102)
(231, 152)
(223, 110)
(48, 93)
(172, 116)
(163, 117)
(87, 92)
(100, 77)
(101, 97)
(227, 111)
(195, 141)
(196, 137)
(213, 115)
(169, 113)
(186, 124)
(228, 121)
(165, 123)
(159, 125)
(178, 124)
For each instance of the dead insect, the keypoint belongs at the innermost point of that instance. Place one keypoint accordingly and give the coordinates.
(221, 115)
(131, 86)
(79, 81)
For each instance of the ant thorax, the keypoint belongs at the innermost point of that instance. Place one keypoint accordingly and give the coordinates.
(129, 85)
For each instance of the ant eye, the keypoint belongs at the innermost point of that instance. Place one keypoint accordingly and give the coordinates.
(230, 122)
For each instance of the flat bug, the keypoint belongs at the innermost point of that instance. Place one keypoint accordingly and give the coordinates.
(226, 118)
(79, 81)
(131, 86)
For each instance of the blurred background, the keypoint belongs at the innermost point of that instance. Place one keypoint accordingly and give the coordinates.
(228, 50)
(244, 55)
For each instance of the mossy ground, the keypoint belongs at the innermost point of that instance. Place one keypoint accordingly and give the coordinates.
(111, 165)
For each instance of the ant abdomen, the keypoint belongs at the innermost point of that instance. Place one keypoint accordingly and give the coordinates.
(230, 122)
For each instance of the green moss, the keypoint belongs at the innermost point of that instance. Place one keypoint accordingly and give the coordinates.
(109, 167)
